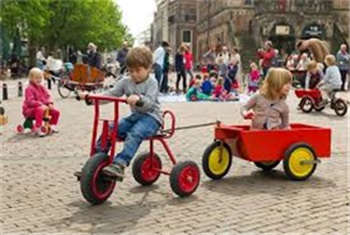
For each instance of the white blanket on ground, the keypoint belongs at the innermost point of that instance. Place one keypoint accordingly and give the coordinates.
(182, 98)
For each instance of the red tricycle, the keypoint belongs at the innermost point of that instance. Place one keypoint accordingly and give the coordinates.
(311, 99)
(29, 124)
(146, 168)
(299, 148)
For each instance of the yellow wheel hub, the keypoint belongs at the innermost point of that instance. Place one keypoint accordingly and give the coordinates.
(295, 162)
(218, 164)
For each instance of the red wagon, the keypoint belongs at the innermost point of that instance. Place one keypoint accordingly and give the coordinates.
(96, 187)
(300, 149)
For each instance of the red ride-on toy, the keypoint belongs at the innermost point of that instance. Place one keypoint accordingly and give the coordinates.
(299, 148)
(311, 99)
(29, 123)
(146, 168)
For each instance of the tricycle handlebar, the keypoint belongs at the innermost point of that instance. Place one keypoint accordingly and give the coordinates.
(106, 98)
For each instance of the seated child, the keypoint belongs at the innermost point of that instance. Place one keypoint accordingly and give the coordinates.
(37, 100)
(268, 109)
(314, 74)
(219, 88)
(331, 80)
(254, 77)
(195, 93)
(207, 86)
(143, 122)
(196, 78)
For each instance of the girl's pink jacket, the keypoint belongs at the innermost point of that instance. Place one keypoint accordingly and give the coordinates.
(35, 96)
(188, 60)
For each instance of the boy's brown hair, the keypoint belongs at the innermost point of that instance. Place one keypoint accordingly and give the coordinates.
(311, 65)
(139, 57)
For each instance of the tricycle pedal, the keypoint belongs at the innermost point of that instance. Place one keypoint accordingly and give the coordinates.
(310, 162)
(78, 175)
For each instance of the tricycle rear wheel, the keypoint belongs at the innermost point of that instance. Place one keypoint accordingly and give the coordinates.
(184, 178)
(267, 165)
(293, 161)
(145, 168)
(62, 88)
(340, 107)
(95, 187)
(214, 165)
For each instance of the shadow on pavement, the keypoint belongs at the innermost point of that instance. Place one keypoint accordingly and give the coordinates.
(273, 182)
(113, 218)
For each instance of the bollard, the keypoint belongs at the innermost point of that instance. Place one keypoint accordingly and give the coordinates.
(49, 83)
(4, 92)
(20, 89)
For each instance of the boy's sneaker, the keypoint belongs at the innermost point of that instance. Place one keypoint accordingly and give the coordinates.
(40, 133)
(54, 129)
(115, 170)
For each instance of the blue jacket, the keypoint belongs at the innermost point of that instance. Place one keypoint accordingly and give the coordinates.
(207, 87)
(343, 60)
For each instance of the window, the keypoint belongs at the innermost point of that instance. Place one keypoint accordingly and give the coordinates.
(249, 2)
(187, 36)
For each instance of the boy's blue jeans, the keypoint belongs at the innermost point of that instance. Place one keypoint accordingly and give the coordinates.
(133, 129)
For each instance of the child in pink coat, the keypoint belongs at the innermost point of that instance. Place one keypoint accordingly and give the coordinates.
(37, 101)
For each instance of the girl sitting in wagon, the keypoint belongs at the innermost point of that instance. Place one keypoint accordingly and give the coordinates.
(268, 109)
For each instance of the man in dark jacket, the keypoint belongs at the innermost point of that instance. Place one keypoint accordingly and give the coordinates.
(121, 57)
(94, 58)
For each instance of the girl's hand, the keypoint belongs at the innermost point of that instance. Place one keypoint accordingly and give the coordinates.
(44, 107)
(131, 100)
(249, 115)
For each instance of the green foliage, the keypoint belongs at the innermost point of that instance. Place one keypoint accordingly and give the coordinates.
(61, 23)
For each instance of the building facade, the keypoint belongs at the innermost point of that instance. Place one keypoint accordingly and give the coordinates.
(247, 23)
(182, 23)
(159, 27)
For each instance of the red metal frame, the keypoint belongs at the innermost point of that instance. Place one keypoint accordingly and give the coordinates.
(314, 94)
(112, 136)
(270, 145)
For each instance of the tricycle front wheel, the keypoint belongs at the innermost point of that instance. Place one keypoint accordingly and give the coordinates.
(95, 186)
(306, 105)
(300, 161)
(216, 160)
(267, 165)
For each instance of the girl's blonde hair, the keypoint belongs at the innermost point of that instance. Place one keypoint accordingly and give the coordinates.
(273, 84)
(220, 81)
(253, 66)
(34, 72)
(330, 60)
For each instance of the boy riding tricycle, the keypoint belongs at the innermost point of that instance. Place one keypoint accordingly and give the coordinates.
(100, 173)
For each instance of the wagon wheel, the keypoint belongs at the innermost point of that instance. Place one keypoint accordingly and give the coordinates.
(216, 160)
(267, 166)
(63, 88)
(95, 187)
(306, 105)
(299, 162)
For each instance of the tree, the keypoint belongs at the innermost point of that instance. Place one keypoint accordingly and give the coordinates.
(60, 23)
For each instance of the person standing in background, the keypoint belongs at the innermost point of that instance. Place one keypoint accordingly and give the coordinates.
(343, 62)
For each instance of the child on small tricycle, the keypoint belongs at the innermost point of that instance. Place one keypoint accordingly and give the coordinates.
(38, 104)
(319, 90)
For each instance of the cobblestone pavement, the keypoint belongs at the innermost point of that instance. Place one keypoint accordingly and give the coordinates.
(40, 195)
